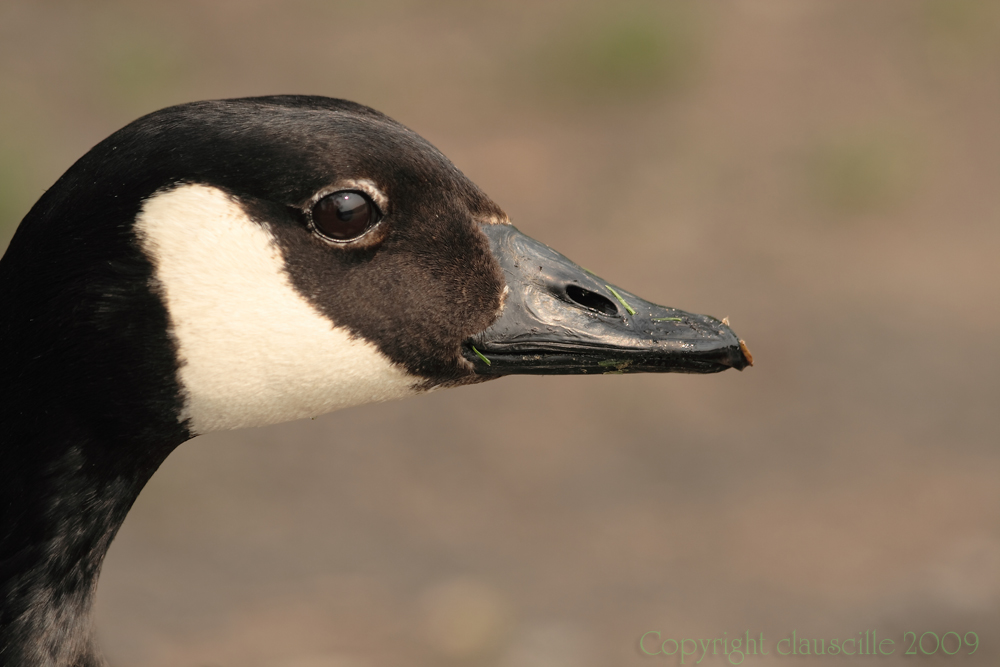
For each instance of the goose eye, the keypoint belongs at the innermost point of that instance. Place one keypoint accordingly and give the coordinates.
(344, 216)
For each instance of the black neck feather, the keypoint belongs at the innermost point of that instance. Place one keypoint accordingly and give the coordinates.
(64, 496)
(88, 410)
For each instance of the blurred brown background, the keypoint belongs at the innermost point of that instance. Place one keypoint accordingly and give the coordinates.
(825, 174)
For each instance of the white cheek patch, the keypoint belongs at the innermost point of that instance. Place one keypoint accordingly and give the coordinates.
(252, 350)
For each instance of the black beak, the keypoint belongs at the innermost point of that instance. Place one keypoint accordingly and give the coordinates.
(560, 319)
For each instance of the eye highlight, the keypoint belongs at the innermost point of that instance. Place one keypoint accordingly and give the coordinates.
(345, 215)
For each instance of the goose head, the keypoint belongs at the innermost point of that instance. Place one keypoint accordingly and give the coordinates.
(235, 263)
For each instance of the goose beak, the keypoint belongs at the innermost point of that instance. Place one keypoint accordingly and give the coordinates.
(560, 319)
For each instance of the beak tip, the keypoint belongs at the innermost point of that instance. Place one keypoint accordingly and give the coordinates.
(746, 353)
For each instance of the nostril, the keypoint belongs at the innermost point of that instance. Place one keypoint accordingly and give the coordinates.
(591, 300)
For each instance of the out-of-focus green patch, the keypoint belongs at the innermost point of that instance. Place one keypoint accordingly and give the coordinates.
(635, 49)
(962, 19)
(862, 172)
(961, 33)
(135, 72)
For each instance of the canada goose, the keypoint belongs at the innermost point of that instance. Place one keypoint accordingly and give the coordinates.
(244, 262)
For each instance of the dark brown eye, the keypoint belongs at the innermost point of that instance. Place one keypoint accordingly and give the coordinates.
(344, 215)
